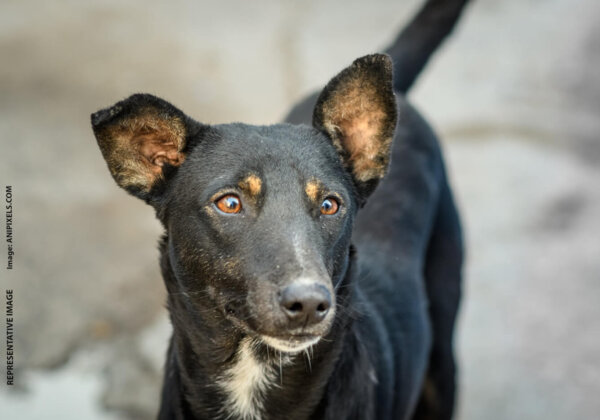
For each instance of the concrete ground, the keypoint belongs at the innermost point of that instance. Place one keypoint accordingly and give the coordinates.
(515, 96)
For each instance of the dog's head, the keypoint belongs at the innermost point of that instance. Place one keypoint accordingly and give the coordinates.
(258, 219)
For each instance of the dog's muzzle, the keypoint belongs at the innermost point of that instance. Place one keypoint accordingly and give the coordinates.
(306, 308)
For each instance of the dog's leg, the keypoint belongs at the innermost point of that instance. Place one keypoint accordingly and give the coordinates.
(443, 272)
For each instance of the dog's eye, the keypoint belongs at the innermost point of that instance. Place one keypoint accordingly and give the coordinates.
(329, 206)
(229, 203)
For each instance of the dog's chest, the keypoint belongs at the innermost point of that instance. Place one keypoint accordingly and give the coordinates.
(245, 384)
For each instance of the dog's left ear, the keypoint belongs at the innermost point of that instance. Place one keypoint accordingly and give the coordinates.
(357, 110)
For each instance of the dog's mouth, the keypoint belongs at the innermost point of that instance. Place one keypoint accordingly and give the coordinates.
(292, 343)
(286, 343)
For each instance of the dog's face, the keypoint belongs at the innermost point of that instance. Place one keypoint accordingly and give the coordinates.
(262, 228)
(258, 219)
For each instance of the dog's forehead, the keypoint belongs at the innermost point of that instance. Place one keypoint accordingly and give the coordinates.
(280, 150)
(281, 139)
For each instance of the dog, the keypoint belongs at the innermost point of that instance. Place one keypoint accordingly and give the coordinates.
(307, 277)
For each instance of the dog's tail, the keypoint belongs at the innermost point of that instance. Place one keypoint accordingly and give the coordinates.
(414, 46)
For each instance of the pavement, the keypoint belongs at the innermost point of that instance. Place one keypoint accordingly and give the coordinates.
(514, 95)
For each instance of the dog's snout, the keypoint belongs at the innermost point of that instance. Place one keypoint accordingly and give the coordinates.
(305, 304)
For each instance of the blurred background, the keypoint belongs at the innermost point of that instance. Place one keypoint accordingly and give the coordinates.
(514, 94)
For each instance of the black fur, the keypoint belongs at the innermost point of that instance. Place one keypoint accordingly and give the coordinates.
(385, 348)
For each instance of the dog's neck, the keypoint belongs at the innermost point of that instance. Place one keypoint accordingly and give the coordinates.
(215, 371)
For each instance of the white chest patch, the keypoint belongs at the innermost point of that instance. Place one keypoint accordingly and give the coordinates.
(245, 384)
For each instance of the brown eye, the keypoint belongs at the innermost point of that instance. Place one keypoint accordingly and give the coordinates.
(229, 203)
(329, 206)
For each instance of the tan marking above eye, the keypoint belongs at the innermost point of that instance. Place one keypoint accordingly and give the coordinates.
(229, 203)
(252, 184)
(312, 190)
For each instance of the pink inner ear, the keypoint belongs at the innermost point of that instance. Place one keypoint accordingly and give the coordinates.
(358, 127)
(137, 147)
(360, 133)
(157, 151)
(172, 157)
(358, 110)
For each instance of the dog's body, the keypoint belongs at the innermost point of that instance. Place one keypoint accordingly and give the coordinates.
(275, 315)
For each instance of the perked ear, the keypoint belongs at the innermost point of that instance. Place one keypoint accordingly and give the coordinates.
(357, 110)
(139, 138)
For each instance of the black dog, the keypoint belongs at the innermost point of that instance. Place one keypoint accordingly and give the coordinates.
(275, 315)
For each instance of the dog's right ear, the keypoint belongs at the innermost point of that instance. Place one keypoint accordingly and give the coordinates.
(141, 138)
(357, 110)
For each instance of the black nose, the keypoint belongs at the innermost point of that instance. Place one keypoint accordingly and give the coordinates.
(305, 304)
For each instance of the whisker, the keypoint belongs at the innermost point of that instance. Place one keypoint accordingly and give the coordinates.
(280, 370)
(308, 359)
